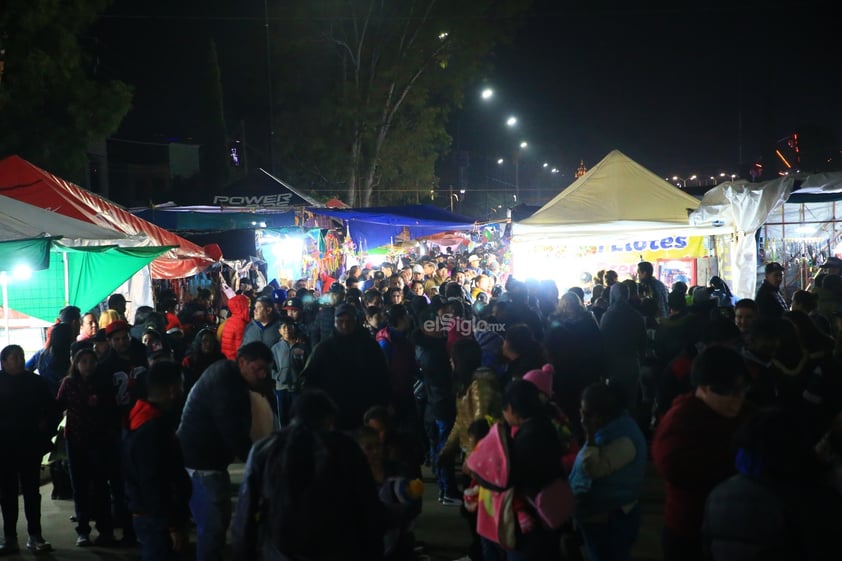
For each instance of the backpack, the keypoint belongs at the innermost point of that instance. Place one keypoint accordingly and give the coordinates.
(490, 464)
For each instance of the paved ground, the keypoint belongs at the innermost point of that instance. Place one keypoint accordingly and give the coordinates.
(441, 528)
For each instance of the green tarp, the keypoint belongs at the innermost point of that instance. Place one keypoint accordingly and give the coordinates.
(81, 276)
(33, 253)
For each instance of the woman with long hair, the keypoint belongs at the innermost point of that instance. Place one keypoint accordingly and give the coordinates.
(204, 351)
(90, 430)
(55, 359)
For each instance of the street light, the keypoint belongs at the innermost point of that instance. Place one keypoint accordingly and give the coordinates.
(731, 175)
(683, 180)
(487, 93)
(511, 121)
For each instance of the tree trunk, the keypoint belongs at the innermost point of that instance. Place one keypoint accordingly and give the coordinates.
(353, 166)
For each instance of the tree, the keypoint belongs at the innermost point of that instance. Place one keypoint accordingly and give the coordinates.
(52, 106)
(366, 86)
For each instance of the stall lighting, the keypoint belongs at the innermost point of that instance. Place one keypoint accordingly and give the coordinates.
(22, 272)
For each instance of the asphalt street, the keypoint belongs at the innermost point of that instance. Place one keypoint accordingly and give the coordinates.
(440, 528)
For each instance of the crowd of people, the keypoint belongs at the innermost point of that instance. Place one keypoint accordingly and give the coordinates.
(537, 412)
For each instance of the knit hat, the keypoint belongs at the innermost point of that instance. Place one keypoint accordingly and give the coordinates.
(543, 379)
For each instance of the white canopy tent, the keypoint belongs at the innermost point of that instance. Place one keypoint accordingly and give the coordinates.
(616, 198)
(616, 214)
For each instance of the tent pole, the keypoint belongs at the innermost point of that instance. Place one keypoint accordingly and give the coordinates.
(5, 281)
(66, 278)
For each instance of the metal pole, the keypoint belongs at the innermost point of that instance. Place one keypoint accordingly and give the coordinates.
(517, 175)
(66, 279)
(269, 88)
(5, 282)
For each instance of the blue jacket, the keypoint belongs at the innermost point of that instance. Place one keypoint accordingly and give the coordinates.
(597, 496)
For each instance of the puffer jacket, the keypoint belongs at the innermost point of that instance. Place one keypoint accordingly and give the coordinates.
(481, 399)
(235, 326)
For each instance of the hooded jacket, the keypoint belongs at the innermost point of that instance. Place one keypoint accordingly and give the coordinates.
(235, 326)
(156, 481)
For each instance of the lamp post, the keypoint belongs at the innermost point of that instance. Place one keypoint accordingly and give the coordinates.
(523, 146)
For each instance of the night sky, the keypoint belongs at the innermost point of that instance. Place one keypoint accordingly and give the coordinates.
(667, 86)
(682, 89)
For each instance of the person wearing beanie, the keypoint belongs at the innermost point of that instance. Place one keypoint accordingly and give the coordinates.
(542, 378)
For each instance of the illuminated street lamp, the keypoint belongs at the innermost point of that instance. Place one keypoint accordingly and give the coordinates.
(731, 175)
(683, 180)
(487, 93)
(511, 121)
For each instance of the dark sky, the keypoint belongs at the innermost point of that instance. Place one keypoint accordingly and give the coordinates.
(683, 89)
(669, 87)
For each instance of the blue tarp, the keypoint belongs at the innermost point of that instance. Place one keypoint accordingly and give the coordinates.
(175, 219)
(378, 226)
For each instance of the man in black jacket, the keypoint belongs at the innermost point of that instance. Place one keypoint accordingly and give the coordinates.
(157, 486)
(770, 301)
(214, 429)
(350, 367)
(29, 417)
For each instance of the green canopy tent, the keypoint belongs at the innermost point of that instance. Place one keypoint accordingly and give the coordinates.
(63, 275)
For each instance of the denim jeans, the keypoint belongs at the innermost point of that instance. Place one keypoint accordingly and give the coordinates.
(210, 505)
(446, 474)
(612, 540)
(154, 536)
(89, 477)
(284, 399)
(114, 469)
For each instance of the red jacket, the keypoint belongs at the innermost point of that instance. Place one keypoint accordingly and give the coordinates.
(235, 326)
(692, 451)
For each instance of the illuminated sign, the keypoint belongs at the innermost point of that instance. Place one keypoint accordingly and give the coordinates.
(278, 200)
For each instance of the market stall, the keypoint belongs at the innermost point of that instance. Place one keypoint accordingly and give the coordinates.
(612, 217)
(793, 220)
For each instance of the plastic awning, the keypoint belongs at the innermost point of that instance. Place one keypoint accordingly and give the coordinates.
(60, 275)
(23, 181)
